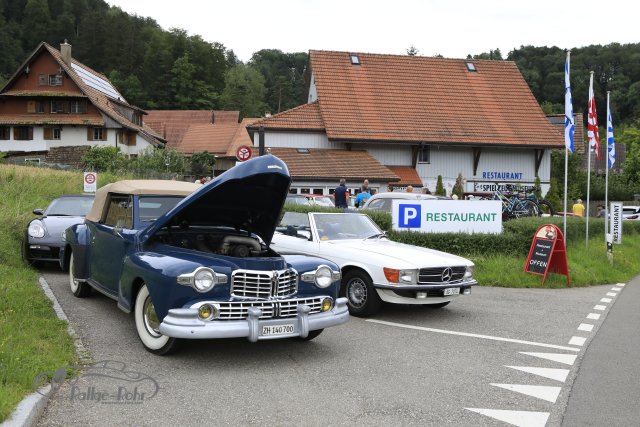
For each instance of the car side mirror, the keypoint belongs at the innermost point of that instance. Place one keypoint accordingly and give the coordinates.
(117, 231)
(38, 212)
(304, 234)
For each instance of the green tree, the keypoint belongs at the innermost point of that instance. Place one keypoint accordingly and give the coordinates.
(412, 51)
(202, 163)
(38, 20)
(104, 158)
(283, 76)
(244, 91)
(440, 191)
(458, 187)
(553, 196)
(158, 163)
(189, 93)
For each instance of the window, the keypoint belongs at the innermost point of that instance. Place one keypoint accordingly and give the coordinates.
(355, 60)
(35, 106)
(137, 119)
(55, 79)
(120, 212)
(4, 132)
(471, 67)
(77, 107)
(23, 133)
(43, 80)
(97, 134)
(39, 106)
(32, 161)
(58, 106)
(52, 132)
(424, 155)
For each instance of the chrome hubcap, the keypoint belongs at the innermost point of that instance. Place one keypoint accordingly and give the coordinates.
(151, 322)
(357, 291)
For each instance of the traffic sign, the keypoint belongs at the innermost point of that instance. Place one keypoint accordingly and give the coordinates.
(90, 182)
(243, 153)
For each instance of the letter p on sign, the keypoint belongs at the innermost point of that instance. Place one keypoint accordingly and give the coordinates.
(409, 216)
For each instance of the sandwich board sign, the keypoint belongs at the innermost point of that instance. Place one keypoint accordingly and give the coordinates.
(90, 182)
(547, 253)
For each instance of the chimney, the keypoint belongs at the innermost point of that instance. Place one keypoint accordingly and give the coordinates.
(65, 51)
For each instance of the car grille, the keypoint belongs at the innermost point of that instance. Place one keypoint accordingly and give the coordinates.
(238, 310)
(434, 275)
(264, 284)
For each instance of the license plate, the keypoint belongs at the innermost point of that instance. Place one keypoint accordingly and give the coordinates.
(277, 330)
(452, 291)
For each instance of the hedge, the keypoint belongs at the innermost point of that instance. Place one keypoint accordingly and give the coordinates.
(515, 239)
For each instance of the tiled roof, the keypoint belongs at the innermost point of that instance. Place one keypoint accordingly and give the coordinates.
(100, 99)
(333, 165)
(421, 99)
(408, 176)
(557, 120)
(50, 119)
(173, 124)
(302, 117)
(214, 138)
(241, 137)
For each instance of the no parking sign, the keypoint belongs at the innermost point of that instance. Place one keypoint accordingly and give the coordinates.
(90, 182)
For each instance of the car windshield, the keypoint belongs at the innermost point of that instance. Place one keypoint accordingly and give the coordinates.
(323, 201)
(297, 200)
(153, 207)
(70, 206)
(341, 226)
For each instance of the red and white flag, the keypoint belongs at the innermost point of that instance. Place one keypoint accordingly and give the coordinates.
(592, 126)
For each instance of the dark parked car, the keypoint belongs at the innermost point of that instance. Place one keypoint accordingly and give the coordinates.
(43, 237)
(194, 261)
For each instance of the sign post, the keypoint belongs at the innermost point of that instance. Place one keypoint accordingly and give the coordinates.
(90, 182)
(548, 253)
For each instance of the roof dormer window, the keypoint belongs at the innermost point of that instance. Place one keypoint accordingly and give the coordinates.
(471, 67)
(355, 60)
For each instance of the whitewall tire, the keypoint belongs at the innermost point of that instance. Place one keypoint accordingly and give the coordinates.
(147, 325)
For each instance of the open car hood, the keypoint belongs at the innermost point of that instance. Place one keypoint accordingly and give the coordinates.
(249, 197)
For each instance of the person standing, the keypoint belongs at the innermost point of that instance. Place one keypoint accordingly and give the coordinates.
(362, 197)
(578, 208)
(409, 188)
(340, 194)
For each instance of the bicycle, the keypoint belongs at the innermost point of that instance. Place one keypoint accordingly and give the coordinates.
(516, 204)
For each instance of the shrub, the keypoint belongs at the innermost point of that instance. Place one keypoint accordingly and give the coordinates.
(440, 191)
(458, 188)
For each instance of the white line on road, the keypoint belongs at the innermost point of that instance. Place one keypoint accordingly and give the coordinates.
(467, 334)
(611, 294)
(577, 341)
(599, 307)
(593, 316)
(588, 327)
(616, 289)
(620, 284)
(548, 393)
(517, 418)
(567, 359)
(551, 373)
(605, 300)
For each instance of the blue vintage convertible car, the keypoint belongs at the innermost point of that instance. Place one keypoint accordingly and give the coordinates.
(193, 261)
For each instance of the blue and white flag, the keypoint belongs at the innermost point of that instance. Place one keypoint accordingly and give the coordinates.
(569, 120)
(611, 148)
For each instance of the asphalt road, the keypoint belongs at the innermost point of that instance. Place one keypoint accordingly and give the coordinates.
(405, 366)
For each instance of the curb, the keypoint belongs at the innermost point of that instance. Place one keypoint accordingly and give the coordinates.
(31, 407)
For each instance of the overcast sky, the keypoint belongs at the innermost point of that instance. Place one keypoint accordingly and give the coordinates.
(447, 27)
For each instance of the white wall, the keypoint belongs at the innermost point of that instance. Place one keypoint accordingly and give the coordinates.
(296, 140)
(313, 90)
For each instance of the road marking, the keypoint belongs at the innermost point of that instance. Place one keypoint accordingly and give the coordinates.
(599, 307)
(577, 340)
(588, 327)
(593, 316)
(551, 373)
(467, 334)
(517, 418)
(616, 289)
(620, 284)
(611, 294)
(567, 359)
(605, 300)
(550, 394)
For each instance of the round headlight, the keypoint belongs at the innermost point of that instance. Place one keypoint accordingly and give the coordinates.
(327, 304)
(203, 280)
(207, 312)
(323, 276)
(36, 229)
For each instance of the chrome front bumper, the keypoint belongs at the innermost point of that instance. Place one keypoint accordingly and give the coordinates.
(185, 323)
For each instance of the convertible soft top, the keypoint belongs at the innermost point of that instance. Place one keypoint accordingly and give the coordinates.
(140, 186)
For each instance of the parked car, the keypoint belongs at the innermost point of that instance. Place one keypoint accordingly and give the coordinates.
(384, 201)
(631, 212)
(43, 236)
(374, 268)
(194, 261)
(297, 199)
(320, 200)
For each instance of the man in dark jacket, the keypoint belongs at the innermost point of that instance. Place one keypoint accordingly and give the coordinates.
(340, 194)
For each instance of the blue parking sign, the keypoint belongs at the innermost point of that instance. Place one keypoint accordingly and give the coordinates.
(409, 216)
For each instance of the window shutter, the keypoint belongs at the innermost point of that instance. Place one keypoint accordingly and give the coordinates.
(31, 106)
(48, 133)
(104, 134)
(43, 80)
(89, 134)
(30, 133)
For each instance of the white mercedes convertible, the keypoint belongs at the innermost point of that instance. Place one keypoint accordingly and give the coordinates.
(374, 268)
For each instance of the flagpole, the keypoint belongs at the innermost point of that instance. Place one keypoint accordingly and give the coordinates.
(589, 161)
(569, 128)
(606, 179)
(564, 222)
